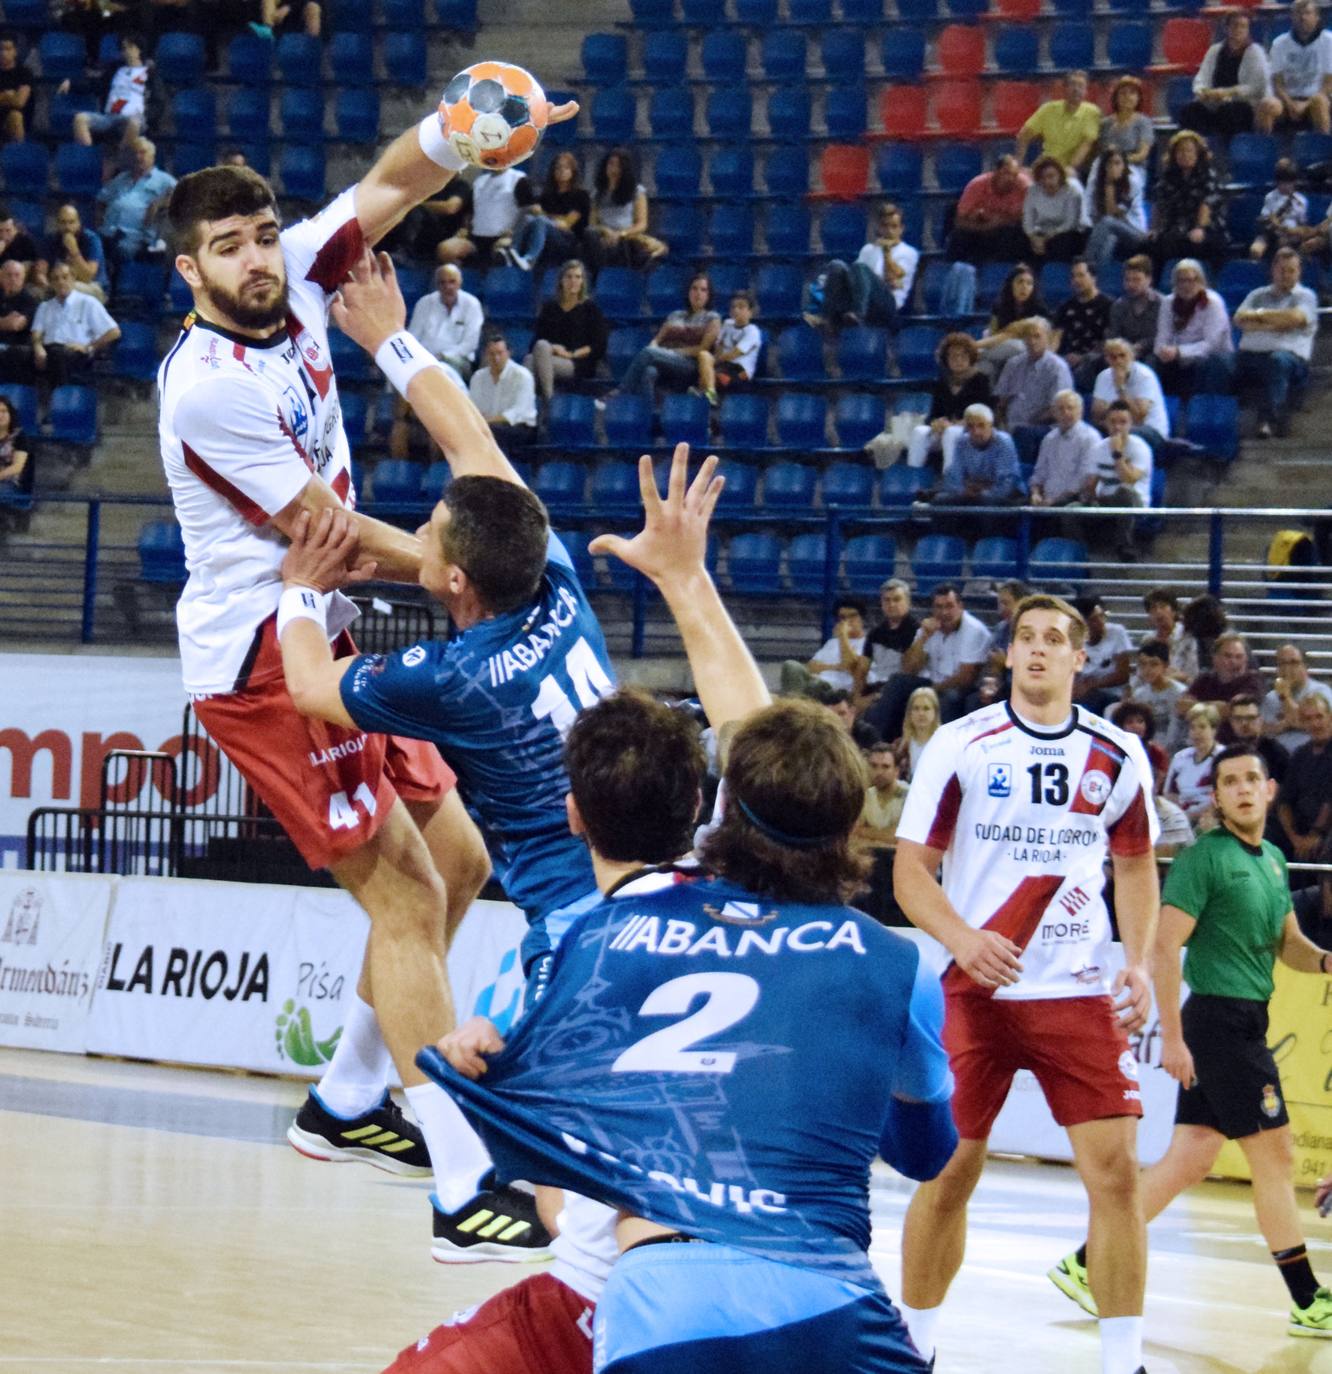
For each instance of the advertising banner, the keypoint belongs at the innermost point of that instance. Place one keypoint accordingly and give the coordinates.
(51, 929)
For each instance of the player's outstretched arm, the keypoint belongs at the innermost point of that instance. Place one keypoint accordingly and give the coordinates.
(1137, 908)
(671, 551)
(395, 553)
(1298, 951)
(1172, 933)
(370, 309)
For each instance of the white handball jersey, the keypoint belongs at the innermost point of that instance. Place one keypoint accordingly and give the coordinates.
(243, 423)
(1025, 818)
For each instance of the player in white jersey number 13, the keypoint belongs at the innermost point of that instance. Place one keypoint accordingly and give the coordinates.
(1022, 803)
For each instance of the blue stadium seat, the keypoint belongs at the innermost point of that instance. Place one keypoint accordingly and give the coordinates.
(571, 420)
(802, 421)
(623, 344)
(303, 173)
(560, 481)
(1130, 46)
(732, 231)
(27, 14)
(652, 13)
(744, 421)
(78, 171)
(844, 55)
(1016, 49)
(247, 114)
(350, 361)
(565, 133)
(1056, 282)
(859, 417)
(724, 54)
(73, 415)
(731, 172)
(30, 214)
(1058, 560)
(995, 556)
(788, 484)
(1242, 214)
(355, 417)
(356, 114)
(435, 481)
(848, 484)
(63, 55)
(614, 111)
(406, 60)
(755, 14)
(916, 346)
(753, 562)
(786, 173)
(26, 168)
(730, 113)
(671, 113)
(784, 55)
(666, 288)
(741, 487)
(179, 58)
(140, 288)
(628, 421)
(900, 168)
(903, 53)
(404, 16)
(918, 12)
(605, 58)
(194, 113)
(955, 164)
(301, 111)
(842, 231)
(575, 543)
(250, 60)
(1252, 157)
(1237, 278)
(180, 299)
(352, 59)
(1213, 423)
(901, 485)
(844, 113)
(787, 229)
(162, 553)
(989, 282)
(684, 418)
(458, 15)
(1072, 45)
(664, 55)
(508, 293)
(933, 277)
(789, 114)
(349, 16)
(678, 171)
(968, 9)
(862, 11)
(61, 109)
(807, 562)
(1310, 147)
(727, 278)
(938, 558)
(396, 481)
(24, 400)
(619, 292)
(868, 560)
(615, 483)
(779, 287)
(800, 354)
(862, 354)
(809, 11)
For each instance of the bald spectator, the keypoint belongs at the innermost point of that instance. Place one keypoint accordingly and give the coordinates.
(988, 224)
(16, 83)
(1290, 688)
(1232, 85)
(448, 321)
(1030, 382)
(68, 331)
(1304, 804)
(1134, 315)
(1066, 462)
(1301, 63)
(1278, 324)
(80, 249)
(1231, 676)
(131, 202)
(17, 307)
(1068, 129)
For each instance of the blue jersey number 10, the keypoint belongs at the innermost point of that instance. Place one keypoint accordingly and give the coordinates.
(590, 683)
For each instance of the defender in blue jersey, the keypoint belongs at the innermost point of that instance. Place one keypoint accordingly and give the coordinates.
(721, 1054)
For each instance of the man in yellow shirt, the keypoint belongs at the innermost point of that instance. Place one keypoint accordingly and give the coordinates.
(1068, 128)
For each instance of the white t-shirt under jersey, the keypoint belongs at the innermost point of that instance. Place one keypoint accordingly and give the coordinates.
(1026, 818)
(243, 424)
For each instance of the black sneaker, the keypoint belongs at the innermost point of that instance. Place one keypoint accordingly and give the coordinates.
(382, 1137)
(497, 1224)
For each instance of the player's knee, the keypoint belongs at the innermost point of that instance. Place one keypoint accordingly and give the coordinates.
(952, 1189)
(1112, 1175)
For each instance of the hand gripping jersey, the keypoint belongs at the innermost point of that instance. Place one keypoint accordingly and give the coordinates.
(719, 1063)
(1026, 818)
(498, 700)
(243, 424)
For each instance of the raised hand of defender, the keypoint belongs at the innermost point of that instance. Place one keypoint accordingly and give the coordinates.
(323, 552)
(988, 958)
(674, 539)
(369, 306)
(467, 1047)
(1177, 1061)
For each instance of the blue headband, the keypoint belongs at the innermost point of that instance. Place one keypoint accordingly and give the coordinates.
(781, 836)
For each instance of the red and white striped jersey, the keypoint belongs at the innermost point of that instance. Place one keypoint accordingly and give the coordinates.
(1026, 817)
(242, 425)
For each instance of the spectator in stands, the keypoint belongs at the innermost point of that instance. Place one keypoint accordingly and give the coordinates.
(555, 224)
(985, 470)
(17, 307)
(16, 83)
(498, 202)
(80, 249)
(960, 384)
(877, 286)
(131, 202)
(1134, 315)
(1068, 129)
(91, 20)
(1065, 466)
(839, 665)
(1246, 727)
(885, 644)
(1278, 324)
(1188, 781)
(1030, 382)
(988, 223)
(1080, 325)
(1232, 84)
(570, 338)
(504, 391)
(69, 330)
(1005, 336)
(1194, 350)
(680, 351)
(1163, 615)
(275, 18)
(1232, 675)
(436, 229)
(1153, 688)
(1135, 717)
(1301, 64)
(1109, 653)
(448, 321)
(1176, 830)
(884, 799)
(1134, 383)
(1113, 207)
(16, 244)
(617, 233)
(1006, 598)
(1188, 212)
(1304, 804)
(921, 720)
(1205, 619)
(15, 456)
(1291, 686)
(1123, 474)
(124, 99)
(1126, 128)
(1052, 213)
(736, 352)
(1284, 221)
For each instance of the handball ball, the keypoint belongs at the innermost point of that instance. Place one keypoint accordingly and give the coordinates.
(494, 113)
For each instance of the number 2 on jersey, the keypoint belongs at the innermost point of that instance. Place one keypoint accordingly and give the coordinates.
(590, 683)
(730, 998)
(1049, 783)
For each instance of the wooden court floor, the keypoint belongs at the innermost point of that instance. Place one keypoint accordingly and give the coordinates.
(154, 1219)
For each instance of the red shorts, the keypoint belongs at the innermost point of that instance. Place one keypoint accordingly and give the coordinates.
(539, 1326)
(1075, 1046)
(330, 788)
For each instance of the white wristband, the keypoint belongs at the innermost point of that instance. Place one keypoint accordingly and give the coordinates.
(400, 357)
(436, 146)
(300, 603)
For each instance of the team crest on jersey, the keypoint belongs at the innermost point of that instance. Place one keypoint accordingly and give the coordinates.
(298, 417)
(1000, 783)
(740, 914)
(1271, 1100)
(1128, 1065)
(415, 655)
(1096, 788)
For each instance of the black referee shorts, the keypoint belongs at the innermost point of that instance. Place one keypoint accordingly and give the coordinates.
(1237, 1089)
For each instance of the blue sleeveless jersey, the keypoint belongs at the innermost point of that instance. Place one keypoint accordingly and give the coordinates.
(498, 700)
(719, 1063)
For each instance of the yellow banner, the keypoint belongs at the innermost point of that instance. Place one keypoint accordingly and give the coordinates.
(1300, 1035)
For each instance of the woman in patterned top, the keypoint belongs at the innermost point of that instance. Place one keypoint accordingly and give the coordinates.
(1188, 213)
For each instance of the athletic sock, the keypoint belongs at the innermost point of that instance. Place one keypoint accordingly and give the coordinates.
(921, 1322)
(1121, 1345)
(456, 1152)
(1082, 1254)
(1298, 1274)
(359, 1071)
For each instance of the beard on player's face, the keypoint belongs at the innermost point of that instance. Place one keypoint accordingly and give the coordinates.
(259, 303)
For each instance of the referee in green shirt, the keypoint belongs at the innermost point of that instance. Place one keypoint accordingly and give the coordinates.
(1227, 899)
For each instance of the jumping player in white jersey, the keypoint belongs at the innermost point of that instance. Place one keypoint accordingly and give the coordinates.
(1021, 802)
(252, 440)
